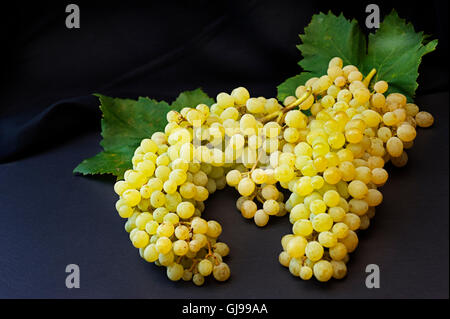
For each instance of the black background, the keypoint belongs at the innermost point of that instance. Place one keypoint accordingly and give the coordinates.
(49, 122)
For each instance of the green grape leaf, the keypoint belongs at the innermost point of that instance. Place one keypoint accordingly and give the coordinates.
(115, 163)
(328, 36)
(191, 99)
(395, 51)
(125, 123)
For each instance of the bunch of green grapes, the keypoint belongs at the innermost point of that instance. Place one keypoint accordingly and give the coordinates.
(332, 163)
(162, 198)
(339, 163)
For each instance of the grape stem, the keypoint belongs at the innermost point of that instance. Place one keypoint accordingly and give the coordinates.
(279, 114)
(369, 77)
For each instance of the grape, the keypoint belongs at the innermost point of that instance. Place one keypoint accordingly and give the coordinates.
(261, 218)
(163, 245)
(327, 239)
(270, 207)
(221, 248)
(314, 251)
(248, 209)
(323, 270)
(306, 273)
(296, 246)
(140, 239)
(302, 227)
(205, 267)
(424, 119)
(198, 279)
(246, 186)
(221, 272)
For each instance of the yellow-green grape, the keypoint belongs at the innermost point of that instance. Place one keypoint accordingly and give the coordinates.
(165, 229)
(304, 186)
(352, 221)
(379, 176)
(199, 225)
(317, 182)
(151, 227)
(406, 133)
(182, 232)
(148, 146)
(340, 230)
(314, 251)
(200, 178)
(201, 193)
(284, 258)
(295, 119)
(400, 161)
(140, 239)
(302, 227)
(332, 175)
(322, 222)
(338, 252)
(205, 267)
(221, 272)
(424, 119)
(259, 176)
(296, 246)
(374, 197)
(143, 219)
(155, 184)
(306, 273)
(380, 86)
(317, 207)
(125, 211)
(170, 186)
(246, 186)
(394, 146)
(185, 210)
(357, 189)
(270, 207)
(175, 272)
(294, 267)
(327, 239)
(248, 209)
(131, 197)
(166, 259)
(255, 105)
(180, 247)
(331, 198)
(351, 241)
(162, 172)
(299, 212)
(163, 245)
(240, 95)
(323, 270)
(157, 199)
(188, 190)
(221, 248)
(336, 213)
(363, 174)
(198, 279)
(150, 253)
(358, 206)
(214, 229)
(339, 269)
(120, 187)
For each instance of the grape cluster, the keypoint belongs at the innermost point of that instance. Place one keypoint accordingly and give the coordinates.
(162, 198)
(330, 161)
(350, 136)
